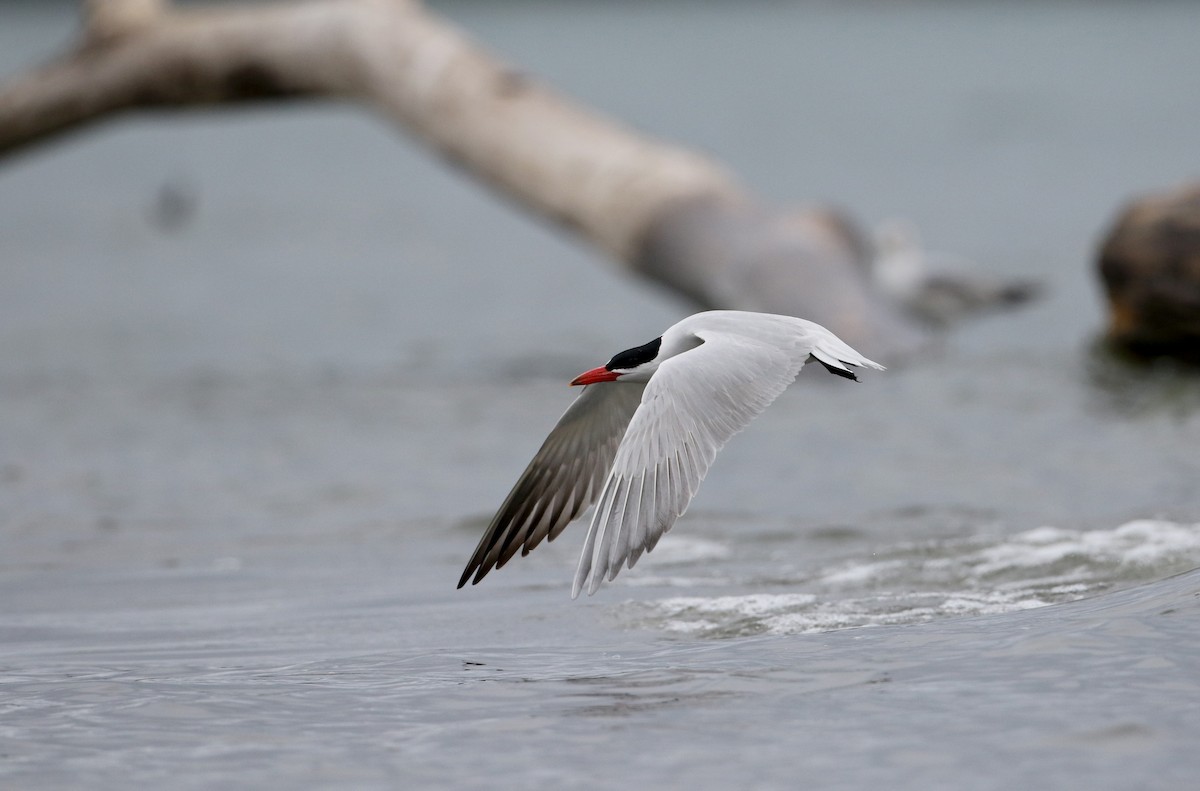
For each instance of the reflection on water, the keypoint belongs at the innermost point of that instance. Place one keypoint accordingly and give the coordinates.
(1132, 386)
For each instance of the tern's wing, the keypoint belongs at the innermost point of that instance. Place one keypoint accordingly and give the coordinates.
(692, 405)
(562, 480)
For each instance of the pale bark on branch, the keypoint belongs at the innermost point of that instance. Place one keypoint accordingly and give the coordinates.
(664, 211)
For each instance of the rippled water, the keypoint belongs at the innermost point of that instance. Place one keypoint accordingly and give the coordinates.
(922, 581)
(244, 454)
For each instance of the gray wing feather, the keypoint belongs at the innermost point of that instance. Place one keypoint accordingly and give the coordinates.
(562, 480)
(690, 408)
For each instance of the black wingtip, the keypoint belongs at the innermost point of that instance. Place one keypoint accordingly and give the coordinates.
(478, 571)
(833, 369)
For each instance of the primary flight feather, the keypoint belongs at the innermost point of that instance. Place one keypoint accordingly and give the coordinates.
(644, 431)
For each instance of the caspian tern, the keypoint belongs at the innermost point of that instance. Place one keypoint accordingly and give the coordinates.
(644, 431)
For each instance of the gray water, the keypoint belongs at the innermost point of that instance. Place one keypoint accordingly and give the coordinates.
(266, 374)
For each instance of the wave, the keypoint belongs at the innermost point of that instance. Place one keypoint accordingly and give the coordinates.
(917, 582)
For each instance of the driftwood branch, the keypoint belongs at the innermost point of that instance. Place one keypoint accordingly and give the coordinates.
(664, 211)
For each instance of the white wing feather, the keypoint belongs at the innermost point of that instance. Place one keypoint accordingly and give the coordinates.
(691, 407)
(652, 444)
(693, 404)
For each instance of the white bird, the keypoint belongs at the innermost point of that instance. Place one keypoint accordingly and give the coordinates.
(645, 430)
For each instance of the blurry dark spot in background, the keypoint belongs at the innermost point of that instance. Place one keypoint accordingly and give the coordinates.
(175, 204)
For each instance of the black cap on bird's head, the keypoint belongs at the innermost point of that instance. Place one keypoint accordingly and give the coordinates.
(621, 364)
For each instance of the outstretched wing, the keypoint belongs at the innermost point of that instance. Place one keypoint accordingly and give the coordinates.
(691, 407)
(562, 480)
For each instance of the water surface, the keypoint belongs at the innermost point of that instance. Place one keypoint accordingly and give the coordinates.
(266, 374)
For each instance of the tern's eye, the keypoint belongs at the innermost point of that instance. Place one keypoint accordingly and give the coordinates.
(632, 358)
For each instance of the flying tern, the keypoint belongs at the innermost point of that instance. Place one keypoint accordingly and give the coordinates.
(641, 436)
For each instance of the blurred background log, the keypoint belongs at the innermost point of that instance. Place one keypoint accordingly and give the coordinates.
(663, 211)
(1150, 267)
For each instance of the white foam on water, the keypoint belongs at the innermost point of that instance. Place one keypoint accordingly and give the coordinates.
(913, 583)
(692, 614)
(657, 581)
(1043, 556)
(685, 549)
(859, 573)
(1144, 542)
